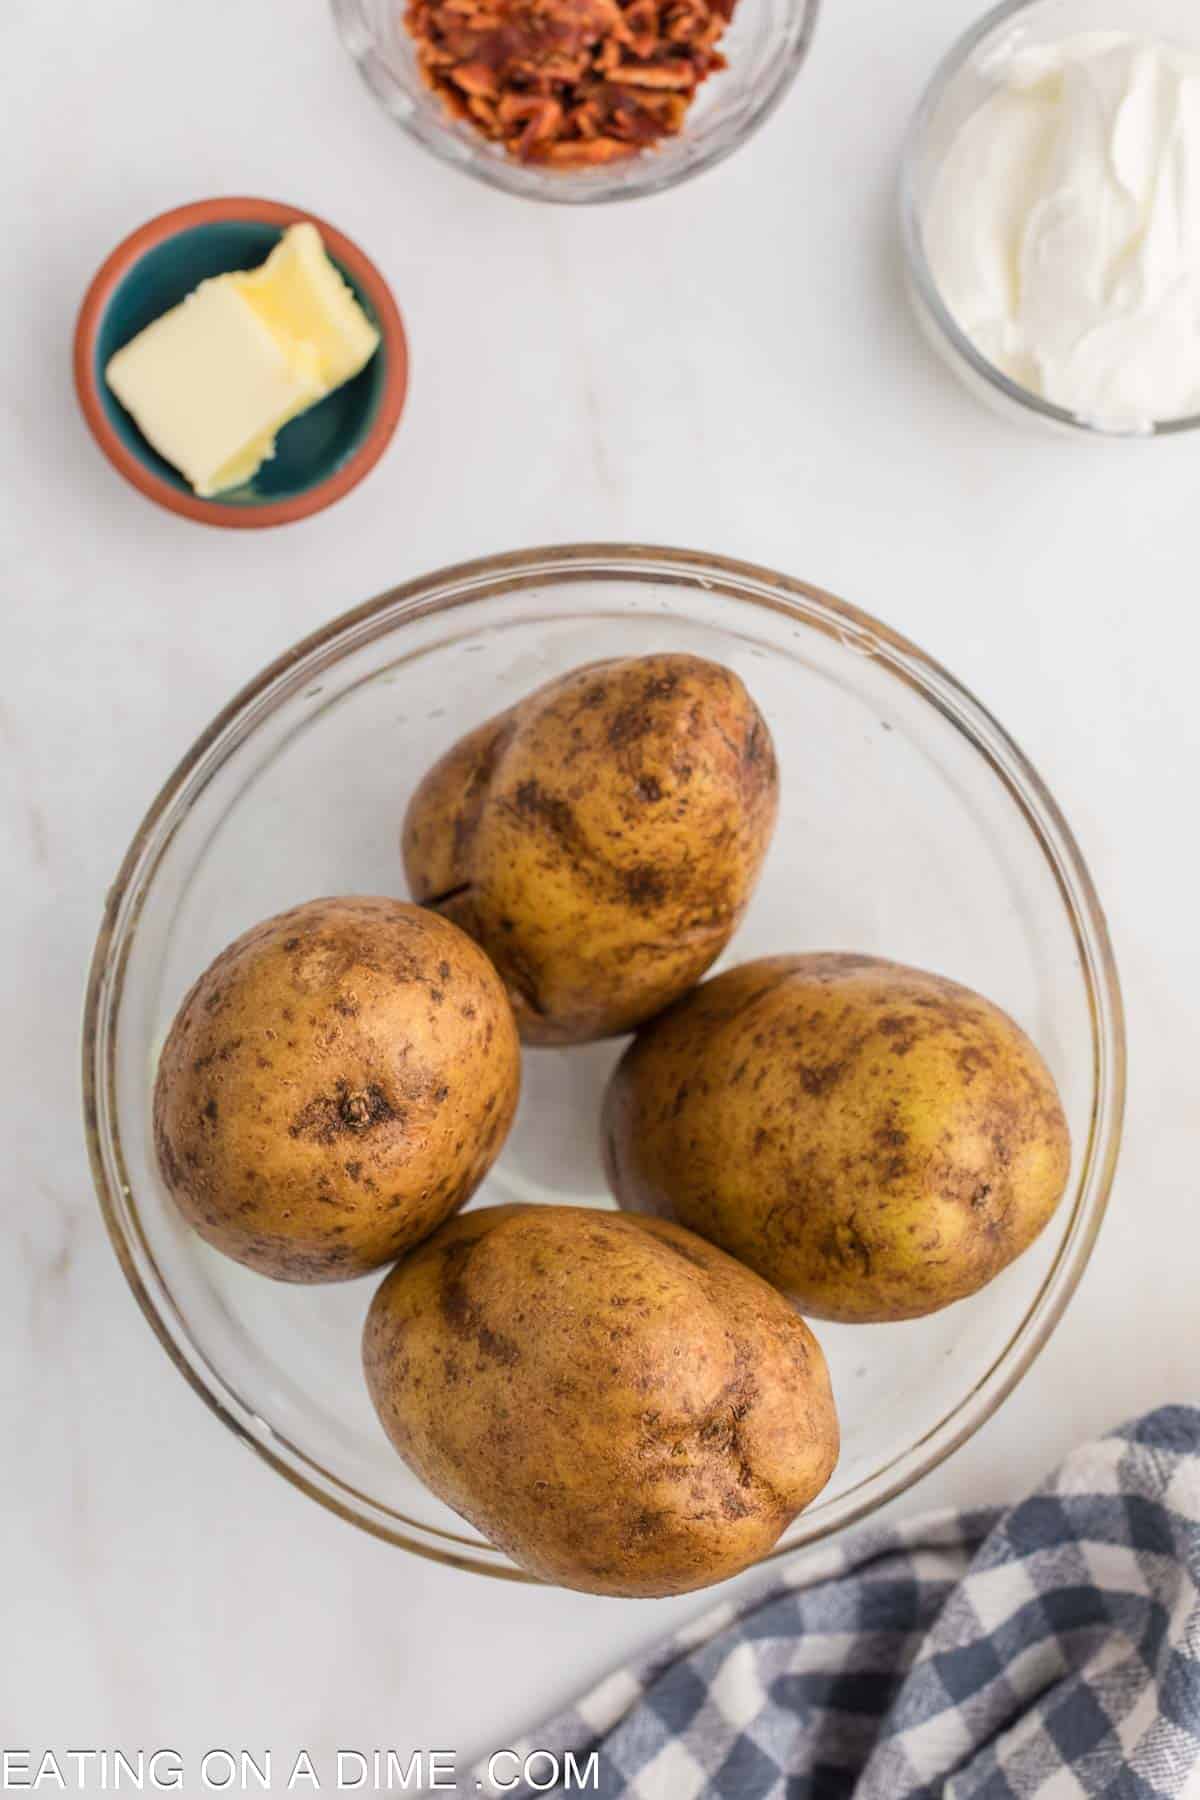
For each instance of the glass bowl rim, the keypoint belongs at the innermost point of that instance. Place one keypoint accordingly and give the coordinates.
(486, 578)
(504, 175)
(925, 288)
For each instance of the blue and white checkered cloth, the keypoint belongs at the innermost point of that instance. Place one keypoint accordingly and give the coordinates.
(1051, 1649)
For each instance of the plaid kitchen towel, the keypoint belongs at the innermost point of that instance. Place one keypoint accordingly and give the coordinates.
(1050, 1649)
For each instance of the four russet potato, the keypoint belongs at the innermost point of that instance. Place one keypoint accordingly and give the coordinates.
(876, 1141)
(601, 839)
(336, 1084)
(625, 1403)
(618, 1405)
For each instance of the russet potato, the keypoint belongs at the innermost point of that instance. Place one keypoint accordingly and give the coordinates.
(601, 839)
(334, 1086)
(611, 1401)
(874, 1140)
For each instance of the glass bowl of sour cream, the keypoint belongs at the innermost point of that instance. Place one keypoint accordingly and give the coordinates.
(1050, 210)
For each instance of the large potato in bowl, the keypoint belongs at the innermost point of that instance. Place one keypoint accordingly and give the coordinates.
(612, 1402)
(601, 839)
(876, 1141)
(334, 1086)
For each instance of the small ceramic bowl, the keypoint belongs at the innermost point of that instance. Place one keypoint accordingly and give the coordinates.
(319, 456)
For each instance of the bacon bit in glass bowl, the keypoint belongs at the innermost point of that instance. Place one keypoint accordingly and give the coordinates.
(579, 100)
(571, 83)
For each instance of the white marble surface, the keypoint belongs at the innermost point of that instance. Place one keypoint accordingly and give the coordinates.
(731, 366)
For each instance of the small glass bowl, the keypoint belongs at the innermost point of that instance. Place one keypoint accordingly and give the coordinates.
(766, 43)
(966, 77)
(910, 826)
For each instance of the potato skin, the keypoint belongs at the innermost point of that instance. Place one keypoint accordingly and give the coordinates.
(876, 1141)
(614, 1403)
(336, 1084)
(601, 839)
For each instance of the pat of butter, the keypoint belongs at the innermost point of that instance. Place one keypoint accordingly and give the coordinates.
(299, 294)
(211, 382)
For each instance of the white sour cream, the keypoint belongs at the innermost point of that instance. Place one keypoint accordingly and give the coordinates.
(1063, 228)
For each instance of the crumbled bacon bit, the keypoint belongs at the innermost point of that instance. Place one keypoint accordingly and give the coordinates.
(569, 83)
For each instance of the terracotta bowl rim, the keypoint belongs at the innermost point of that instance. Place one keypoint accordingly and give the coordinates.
(394, 349)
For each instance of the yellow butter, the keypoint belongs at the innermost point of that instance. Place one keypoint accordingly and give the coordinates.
(300, 294)
(245, 465)
(211, 382)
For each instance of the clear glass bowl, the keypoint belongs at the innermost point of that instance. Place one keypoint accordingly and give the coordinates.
(766, 43)
(966, 77)
(911, 826)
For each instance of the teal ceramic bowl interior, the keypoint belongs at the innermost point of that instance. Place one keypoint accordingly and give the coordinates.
(311, 448)
(318, 455)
